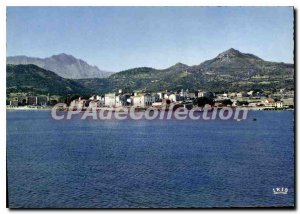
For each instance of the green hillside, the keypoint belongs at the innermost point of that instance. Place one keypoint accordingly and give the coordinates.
(229, 71)
(31, 78)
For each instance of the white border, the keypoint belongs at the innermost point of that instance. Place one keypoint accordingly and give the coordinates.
(4, 3)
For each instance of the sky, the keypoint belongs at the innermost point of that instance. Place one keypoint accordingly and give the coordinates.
(120, 38)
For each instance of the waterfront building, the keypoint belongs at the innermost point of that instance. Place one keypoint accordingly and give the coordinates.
(13, 103)
(161, 95)
(166, 95)
(279, 104)
(183, 93)
(143, 100)
(41, 100)
(122, 100)
(102, 102)
(31, 100)
(288, 102)
(269, 102)
(94, 104)
(22, 100)
(110, 100)
(79, 103)
(174, 98)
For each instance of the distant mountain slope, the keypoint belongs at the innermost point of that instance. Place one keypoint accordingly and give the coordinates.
(236, 70)
(31, 78)
(230, 70)
(63, 65)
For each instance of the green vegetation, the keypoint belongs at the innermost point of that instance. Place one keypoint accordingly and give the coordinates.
(229, 71)
(227, 102)
(202, 101)
(33, 79)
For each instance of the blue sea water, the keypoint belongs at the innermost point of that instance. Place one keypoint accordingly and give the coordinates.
(149, 164)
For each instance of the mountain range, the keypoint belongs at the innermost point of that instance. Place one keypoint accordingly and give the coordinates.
(231, 70)
(64, 65)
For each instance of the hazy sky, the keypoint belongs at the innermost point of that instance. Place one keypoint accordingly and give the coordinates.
(118, 38)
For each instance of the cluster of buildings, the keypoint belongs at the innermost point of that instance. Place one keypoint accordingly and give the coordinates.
(281, 99)
(28, 100)
(136, 99)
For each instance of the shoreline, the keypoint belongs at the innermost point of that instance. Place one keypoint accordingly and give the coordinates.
(141, 110)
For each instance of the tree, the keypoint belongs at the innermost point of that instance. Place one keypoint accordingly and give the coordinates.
(202, 101)
(242, 103)
(227, 102)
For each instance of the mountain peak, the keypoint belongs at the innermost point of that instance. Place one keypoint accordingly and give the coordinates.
(232, 50)
(229, 53)
(179, 65)
(63, 56)
(233, 53)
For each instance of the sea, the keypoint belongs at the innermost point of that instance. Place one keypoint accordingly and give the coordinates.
(150, 163)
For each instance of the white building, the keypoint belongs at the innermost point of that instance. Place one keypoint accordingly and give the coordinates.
(166, 95)
(161, 95)
(269, 102)
(78, 103)
(110, 100)
(94, 104)
(184, 93)
(201, 93)
(278, 104)
(143, 100)
(174, 98)
(191, 95)
(288, 102)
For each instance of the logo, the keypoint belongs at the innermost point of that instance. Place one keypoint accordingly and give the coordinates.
(280, 191)
(150, 113)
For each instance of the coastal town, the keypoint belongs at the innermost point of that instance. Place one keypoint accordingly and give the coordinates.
(172, 106)
(281, 99)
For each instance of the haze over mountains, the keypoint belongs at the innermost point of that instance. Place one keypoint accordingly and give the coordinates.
(64, 65)
(231, 70)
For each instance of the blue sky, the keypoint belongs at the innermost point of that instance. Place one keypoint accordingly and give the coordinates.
(119, 38)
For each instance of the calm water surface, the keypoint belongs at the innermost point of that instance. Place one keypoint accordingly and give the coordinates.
(166, 164)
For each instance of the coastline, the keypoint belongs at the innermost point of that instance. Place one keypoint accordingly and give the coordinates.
(139, 109)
